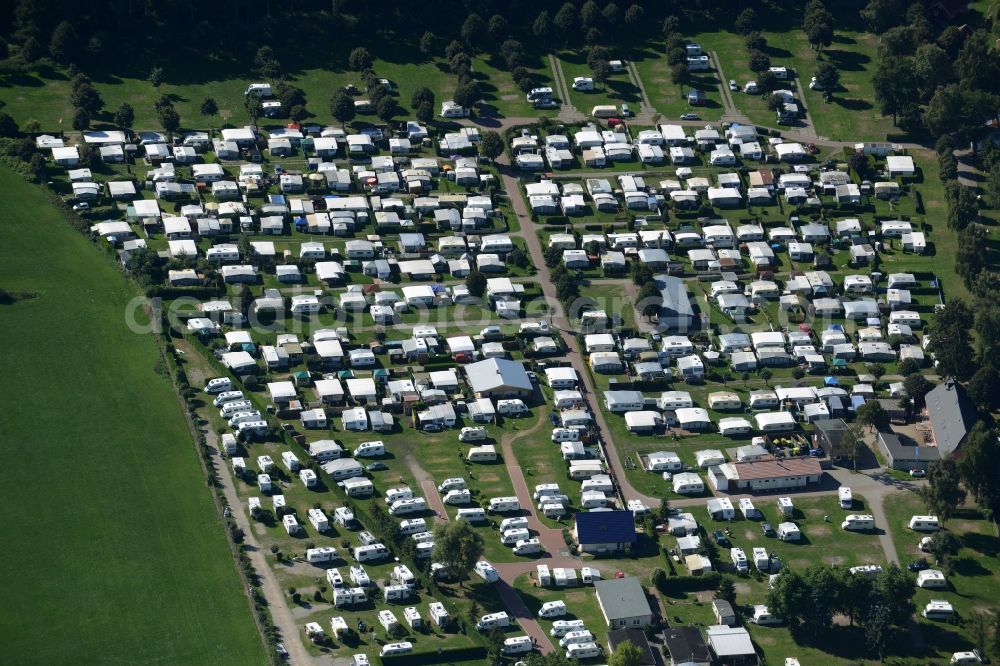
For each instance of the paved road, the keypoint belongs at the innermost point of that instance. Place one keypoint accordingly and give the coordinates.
(646, 109)
(567, 112)
(731, 114)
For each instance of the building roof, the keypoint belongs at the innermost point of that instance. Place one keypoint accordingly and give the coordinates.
(767, 469)
(674, 295)
(898, 451)
(621, 598)
(497, 373)
(729, 641)
(686, 645)
(637, 638)
(952, 415)
(605, 527)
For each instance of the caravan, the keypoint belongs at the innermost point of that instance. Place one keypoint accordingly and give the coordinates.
(583, 651)
(406, 506)
(562, 627)
(474, 515)
(925, 523)
(504, 504)
(517, 645)
(512, 536)
(412, 526)
(551, 609)
(528, 547)
(859, 523)
(576, 637)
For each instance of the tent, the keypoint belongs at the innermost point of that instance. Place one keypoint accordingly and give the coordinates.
(831, 381)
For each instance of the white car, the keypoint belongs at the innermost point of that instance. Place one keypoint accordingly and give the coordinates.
(814, 85)
(487, 571)
(735, 87)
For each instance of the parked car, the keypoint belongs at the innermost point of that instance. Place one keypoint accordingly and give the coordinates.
(813, 148)
(733, 85)
(918, 565)
(720, 538)
(768, 530)
(376, 467)
(918, 473)
(83, 205)
(626, 111)
(690, 116)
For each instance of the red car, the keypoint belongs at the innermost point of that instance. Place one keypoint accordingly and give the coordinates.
(813, 149)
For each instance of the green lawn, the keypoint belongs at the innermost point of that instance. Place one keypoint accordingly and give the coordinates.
(44, 95)
(618, 89)
(669, 99)
(114, 552)
(974, 577)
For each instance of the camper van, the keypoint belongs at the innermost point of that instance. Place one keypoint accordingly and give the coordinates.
(343, 516)
(394, 494)
(486, 453)
(487, 571)
(739, 559)
(511, 407)
(511, 536)
(423, 537)
(412, 526)
(491, 620)
(925, 523)
(560, 435)
(504, 504)
(593, 499)
(395, 649)
(763, 617)
(230, 408)
(553, 510)
(552, 609)
(370, 449)
(583, 650)
(473, 515)
(454, 483)
(396, 593)
(517, 645)
(474, 434)
(321, 554)
(966, 658)
(562, 627)
(859, 523)
(545, 489)
(456, 497)
(512, 523)
(528, 547)
(938, 609)
(348, 596)
(373, 552)
(405, 506)
(219, 385)
(604, 111)
(931, 579)
(258, 89)
(227, 396)
(846, 498)
(576, 637)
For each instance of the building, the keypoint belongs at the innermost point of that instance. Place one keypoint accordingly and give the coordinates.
(636, 638)
(903, 457)
(604, 531)
(676, 311)
(951, 414)
(686, 646)
(829, 434)
(499, 378)
(731, 646)
(623, 601)
(765, 474)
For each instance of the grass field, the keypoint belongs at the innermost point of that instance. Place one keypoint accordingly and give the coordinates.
(113, 553)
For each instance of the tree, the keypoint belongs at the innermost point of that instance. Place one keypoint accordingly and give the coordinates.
(170, 120)
(671, 25)
(756, 41)
(943, 492)
(457, 546)
(565, 20)
(8, 126)
(255, 107)
(827, 76)
(513, 53)
(124, 116)
(475, 282)
(359, 59)
(342, 106)
(789, 598)
(425, 112)
(65, 43)
(453, 49)
(916, 386)
(460, 64)
(726, 590)
(156, 77)
(995, 642)
(209, 107)
(85, 96)
(38, 167)
(910, 119)
(759, 61)
(819, 34)
(590, 15)
(933, 67)
(872, 415)
(970, 261)
(963, 207)
(385, 108)
(984, 387)
(851, 444)
(767, 81)
(266, 63)
(746, 21)
(978, 623)
(641, 273)
(626, 654)
(821, 583)
(950, 340)
(992, 186)
(542, 25)
(775, 102)
(498, 28)
(880, 15)
(980, 467)
(601, 71)
(895, 85)
(634, 17)
(81, 119)
(896, 587)
(428, 41)
(680, 74)
(473, 31)
(30, 51)
(421, 95)
(650, 300)
(878, 629)
(467, 95)
(612, 16)
(491, 144)
(552, 256)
